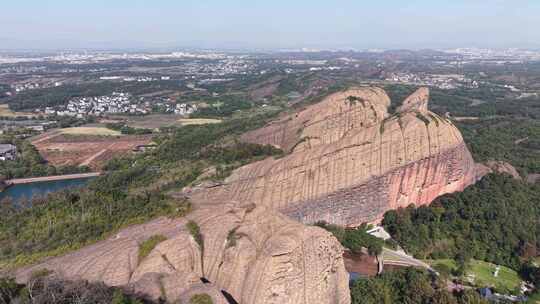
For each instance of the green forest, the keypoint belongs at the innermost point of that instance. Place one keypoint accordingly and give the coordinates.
(516, 141)
(480, 223)
(29, 163)
(409, 285)
(43, 289)
(355, 239)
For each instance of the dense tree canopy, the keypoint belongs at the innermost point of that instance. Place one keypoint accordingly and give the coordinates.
(516, 141)
(408, 286)
(29, 162)
(495, 220)
(355, 239)
(44, 290)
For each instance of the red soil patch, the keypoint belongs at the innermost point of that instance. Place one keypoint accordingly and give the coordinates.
(363, 264)
(86, 150)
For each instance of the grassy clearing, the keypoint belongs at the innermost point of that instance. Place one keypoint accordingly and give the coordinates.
(6, 112)
(201, 298)
(153, 121)
(450, 264)
(198, 121)
(156, 121)
(90, 131)
(482, 272)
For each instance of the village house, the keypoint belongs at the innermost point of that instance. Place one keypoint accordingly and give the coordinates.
(8, 152)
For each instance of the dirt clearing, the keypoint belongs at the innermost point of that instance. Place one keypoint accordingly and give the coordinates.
(60, 148)
(90, 131)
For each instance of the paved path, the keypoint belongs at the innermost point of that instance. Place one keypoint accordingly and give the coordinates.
(87, 161)
(46, 137)
(50, 178)
(397, 258)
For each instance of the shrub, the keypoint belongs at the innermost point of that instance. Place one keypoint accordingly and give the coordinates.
(353, 99)
(147, 246)
(250, 207)
(9, 290)
(423, 118)
(195, 232)
(201, 298)
(55, 290)
(232, 237)
(355, 239)
(40, 273)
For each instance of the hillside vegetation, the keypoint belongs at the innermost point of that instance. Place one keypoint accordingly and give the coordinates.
(480, 222)
(133, 191)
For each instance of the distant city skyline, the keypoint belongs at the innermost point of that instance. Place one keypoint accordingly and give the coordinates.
(243, 24)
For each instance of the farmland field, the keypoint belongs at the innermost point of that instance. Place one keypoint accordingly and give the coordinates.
(90, 131)
(156, 121)
(153, 121)
(5, 111)
(86, 149)
(197, 121)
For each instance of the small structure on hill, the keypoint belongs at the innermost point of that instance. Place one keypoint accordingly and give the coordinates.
(8, 152)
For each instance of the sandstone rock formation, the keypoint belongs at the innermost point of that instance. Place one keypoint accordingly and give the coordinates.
(351, 160)
(502, 167)
(254, 254)
(418, 101)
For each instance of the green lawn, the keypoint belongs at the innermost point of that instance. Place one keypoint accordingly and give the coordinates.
(507, 277)
(534, 298)
(447, 262)
(482, 272)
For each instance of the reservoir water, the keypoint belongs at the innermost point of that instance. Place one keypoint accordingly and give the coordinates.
(22, 192)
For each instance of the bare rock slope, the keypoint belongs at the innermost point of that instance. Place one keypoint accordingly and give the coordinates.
(351, 160)
(255, 255)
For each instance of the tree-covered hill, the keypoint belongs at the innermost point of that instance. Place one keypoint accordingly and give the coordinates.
(495, 220)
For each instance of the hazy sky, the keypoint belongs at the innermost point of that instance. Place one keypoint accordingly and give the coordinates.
(269, 24)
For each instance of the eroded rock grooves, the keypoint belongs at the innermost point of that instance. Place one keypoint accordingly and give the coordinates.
(273, 259)
(351, 161)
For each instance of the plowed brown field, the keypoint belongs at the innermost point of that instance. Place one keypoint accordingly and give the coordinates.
(85, 150)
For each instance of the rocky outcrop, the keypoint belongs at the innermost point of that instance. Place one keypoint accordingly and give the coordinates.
(351, 161)
(253, 254)
(325, 122)
(501, 167)
(418, 101)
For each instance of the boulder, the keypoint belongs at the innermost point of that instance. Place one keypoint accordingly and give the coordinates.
(502, 167)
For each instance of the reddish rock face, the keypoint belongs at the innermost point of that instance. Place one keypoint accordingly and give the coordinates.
(350, 161)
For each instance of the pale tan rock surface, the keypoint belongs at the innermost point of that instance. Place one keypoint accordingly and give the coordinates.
(351, 161)
(326, 121)
(502, 167)
(418, 101)
(272, 259)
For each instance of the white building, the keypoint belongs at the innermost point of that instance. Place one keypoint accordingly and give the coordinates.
(8, 152)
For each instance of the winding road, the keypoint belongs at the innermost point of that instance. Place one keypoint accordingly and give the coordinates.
(50, 178)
